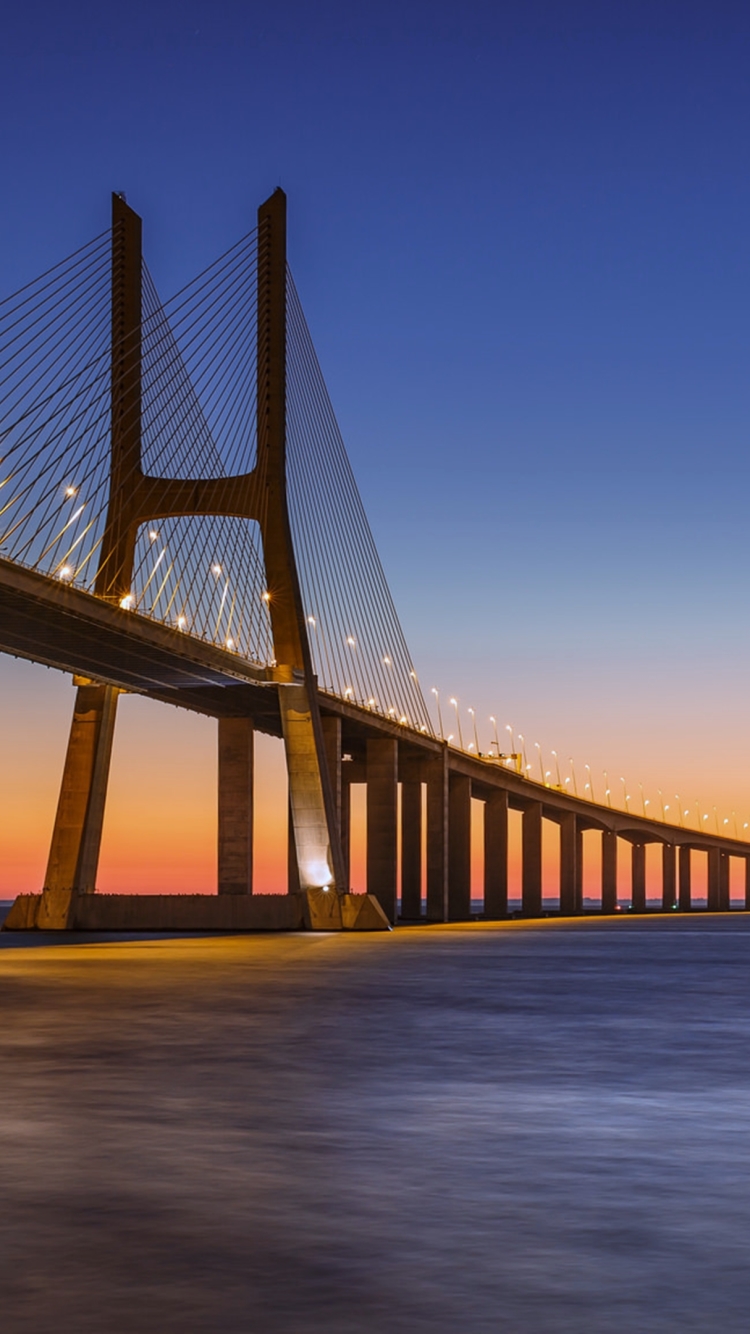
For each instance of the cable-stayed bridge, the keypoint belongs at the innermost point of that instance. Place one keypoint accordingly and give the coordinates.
(178, 517)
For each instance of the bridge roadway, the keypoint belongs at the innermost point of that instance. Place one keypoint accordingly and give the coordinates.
(51, 622)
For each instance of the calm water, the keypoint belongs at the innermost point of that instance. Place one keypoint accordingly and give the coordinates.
(527, 1129)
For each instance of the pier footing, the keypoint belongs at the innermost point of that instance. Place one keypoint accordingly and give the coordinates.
(62, 910)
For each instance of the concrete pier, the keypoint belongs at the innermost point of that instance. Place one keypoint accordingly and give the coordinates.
(411, 849)
(685, 887)
(609, 871)
(437, 837)
(668, 876)
(569, 864)
(235, 827)
(459, 848)
(531, 839)
(496, 855)
(638, 877)
(382, 823)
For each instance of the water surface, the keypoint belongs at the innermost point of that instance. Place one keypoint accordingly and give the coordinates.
(531, 1128)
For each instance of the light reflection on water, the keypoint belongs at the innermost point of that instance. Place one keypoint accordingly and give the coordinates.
(534, 1129)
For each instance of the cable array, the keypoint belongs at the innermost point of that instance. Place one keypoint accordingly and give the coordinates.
(191, 368)
(357, 643)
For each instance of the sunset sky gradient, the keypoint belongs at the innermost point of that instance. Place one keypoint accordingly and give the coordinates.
(520, 235)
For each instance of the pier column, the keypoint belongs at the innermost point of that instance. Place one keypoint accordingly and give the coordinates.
(724, 892)
(459, 848)
(532, 860)
(346, 824)
(382, 820)
(292, 866)
(77, 834)
(437, 838)
(609, 871)
(569, 859)
(236, 763)
(685, 889)
(714, 880)
(496, 856)
(638, 877)
(411, 849)
(747, 884)
(668, 876)
(332, 744)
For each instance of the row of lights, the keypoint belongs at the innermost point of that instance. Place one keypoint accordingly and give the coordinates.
(128, 600)
(518, 761)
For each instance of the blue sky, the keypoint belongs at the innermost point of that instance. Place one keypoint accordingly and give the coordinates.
(520, 234)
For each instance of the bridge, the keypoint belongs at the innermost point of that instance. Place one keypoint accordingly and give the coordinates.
(178, 518)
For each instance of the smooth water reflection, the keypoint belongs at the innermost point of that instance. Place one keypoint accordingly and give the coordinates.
(525, 1129)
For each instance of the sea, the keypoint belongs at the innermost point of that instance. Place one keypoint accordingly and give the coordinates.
(538, 1128)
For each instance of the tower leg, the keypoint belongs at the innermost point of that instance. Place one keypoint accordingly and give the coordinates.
(77, 834)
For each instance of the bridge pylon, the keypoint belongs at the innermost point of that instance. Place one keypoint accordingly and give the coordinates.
(137, 498)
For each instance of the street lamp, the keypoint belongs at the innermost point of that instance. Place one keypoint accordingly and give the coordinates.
(590, 784)
(541, 761)
(573, 772)
(557, 770)
(474, 720)
(625, 794)
(440, 716)
(526, 765)
(607, 789)
(496, 737)
(454, 702)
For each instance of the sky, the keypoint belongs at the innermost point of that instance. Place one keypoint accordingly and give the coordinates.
(519, 232)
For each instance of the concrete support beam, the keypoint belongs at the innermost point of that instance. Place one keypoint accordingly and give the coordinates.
(569, 858)
(496, 856)
(77, 834)
(459, 848)
(609, 871)
(747, 884)
(411, 850)
(685, 887)
(236, 765)
(382, 822)
(668, 876)
(724, 890)
(532, 860)
(437, 838)
(638, 877)
(714, 879)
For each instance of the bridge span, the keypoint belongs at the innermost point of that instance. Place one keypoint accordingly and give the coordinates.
(178, 519)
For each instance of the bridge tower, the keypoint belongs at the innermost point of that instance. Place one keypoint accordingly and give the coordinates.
(136, 498)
